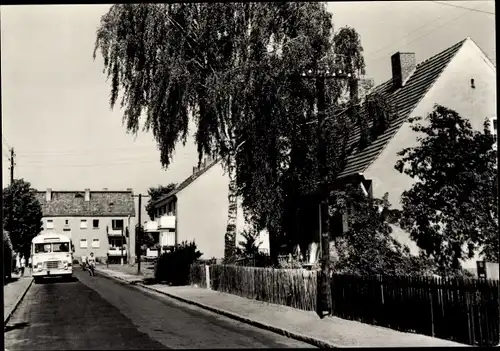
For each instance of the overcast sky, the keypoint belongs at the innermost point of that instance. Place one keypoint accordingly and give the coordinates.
(55, 98)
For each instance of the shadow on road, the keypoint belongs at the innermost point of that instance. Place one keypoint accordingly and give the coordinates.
(15, 326)
(57, 280)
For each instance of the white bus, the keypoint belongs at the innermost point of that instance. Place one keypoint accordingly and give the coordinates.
(52, 255)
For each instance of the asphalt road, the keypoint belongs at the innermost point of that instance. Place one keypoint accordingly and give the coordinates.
(99, 313)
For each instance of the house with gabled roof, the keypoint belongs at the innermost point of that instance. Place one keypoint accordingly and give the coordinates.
(197, 210)
(102, 222)
(461, 78)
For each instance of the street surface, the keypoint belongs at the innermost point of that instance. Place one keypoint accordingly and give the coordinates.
(99, 313)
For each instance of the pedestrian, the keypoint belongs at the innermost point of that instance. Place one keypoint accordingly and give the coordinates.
(91, 264)
(23, 265)
(84, 261)
(18, 263)
(30, 265)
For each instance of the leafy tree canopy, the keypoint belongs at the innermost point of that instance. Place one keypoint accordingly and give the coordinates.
(155, 193)
(454, 203)
(367, 247)
(234, 68)
(22, 215)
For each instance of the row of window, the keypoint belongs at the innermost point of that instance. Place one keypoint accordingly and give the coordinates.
(117, 224)
(95, 243)
(168, 208)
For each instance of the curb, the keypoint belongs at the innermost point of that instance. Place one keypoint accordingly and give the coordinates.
(292, 335)
(19, 299)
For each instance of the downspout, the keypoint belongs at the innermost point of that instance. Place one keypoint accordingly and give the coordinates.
(128, 239)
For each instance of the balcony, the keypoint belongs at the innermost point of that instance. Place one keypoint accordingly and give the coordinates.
(151, 226)
(166, 222)
(115, 231)
(117, 251)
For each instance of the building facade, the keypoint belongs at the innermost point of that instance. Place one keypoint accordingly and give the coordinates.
(197, 210)
(461, 78)
(102, 222)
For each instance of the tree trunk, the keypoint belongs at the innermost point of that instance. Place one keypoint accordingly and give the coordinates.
(232, 213)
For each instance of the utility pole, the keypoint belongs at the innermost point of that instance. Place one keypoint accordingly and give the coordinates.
(138, 236)
(320, 76)
(12, 164)
(139, 233)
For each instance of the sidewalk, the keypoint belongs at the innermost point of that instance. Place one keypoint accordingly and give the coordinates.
(306, 326)
(14, 293)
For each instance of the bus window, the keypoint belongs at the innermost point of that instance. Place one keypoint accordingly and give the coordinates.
(60, 247)
(42, 248)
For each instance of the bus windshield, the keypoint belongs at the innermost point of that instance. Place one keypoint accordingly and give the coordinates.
(51, 247)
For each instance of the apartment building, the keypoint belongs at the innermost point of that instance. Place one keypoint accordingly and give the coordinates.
(102, 222)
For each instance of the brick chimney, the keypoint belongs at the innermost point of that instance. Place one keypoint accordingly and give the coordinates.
(403, 65)
(87, 194)
(48, 195)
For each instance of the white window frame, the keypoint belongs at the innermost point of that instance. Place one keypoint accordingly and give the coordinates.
(81, 244)
(83, 224)
(95, 243)
(50, 224)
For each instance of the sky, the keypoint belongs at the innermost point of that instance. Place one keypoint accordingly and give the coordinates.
(55, 97)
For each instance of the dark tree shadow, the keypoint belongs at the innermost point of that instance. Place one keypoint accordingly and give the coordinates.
(15, 326)
(57, 280)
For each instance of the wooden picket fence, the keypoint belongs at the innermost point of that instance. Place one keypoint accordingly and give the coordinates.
(290, 287)
(465, 311)
(198, 275)
(461, 310)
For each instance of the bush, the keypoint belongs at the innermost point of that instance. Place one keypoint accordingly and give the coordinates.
(173, 267)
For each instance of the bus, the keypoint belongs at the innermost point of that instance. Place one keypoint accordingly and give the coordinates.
(52, 256)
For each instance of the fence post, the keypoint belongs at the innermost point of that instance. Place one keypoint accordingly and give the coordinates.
(432, 313)
(207, 275)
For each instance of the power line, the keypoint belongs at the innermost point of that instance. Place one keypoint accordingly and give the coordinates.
(422, 36)
(465, 8)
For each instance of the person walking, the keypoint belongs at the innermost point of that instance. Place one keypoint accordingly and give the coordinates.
(18, 263)
(84, 262)
(23, 265)
(30, 266)
(91, 264)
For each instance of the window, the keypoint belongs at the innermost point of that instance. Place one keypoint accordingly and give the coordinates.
(117, 224)
(83, 224)
(95, 223)
(95, 243)
(66, 222)
(42, 248)
(60, 247)
(494, 126)
(83, 243)
(50, 224)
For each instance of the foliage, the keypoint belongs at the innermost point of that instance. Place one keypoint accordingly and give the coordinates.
(22, 215)
(173, 267)
(155, 193)
(455, 201)
(250, 246)
(234, 68)
(367, 247)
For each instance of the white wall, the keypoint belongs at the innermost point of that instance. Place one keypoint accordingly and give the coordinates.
(452, 90)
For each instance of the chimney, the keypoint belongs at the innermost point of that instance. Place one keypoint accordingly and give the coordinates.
(130, 189)
(104, 189)
(403, 64)
(87, 194)
(48, 195)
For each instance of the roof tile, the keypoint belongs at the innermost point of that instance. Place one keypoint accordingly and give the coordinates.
(73, 204)
(405, 100)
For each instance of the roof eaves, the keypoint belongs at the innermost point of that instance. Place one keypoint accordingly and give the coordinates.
(377, 154)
